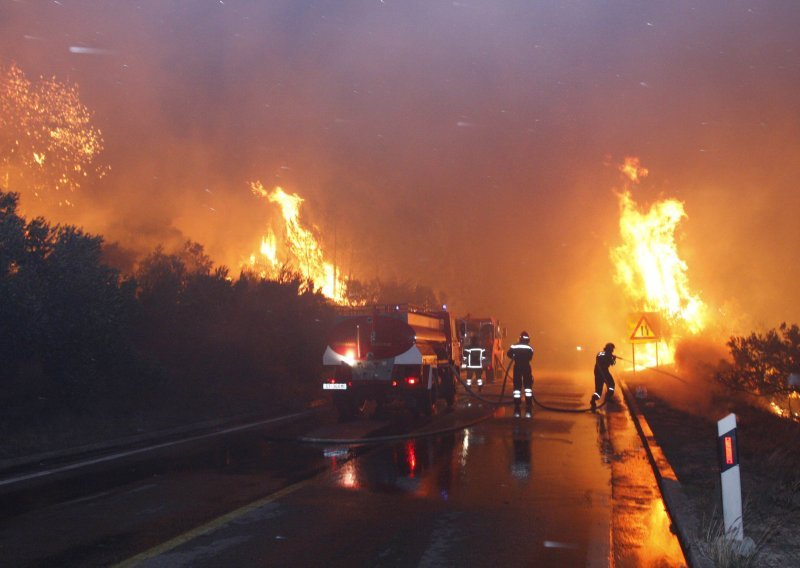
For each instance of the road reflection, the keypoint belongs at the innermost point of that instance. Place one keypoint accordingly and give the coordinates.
(420, 467)
(521, 463)
(538, 485)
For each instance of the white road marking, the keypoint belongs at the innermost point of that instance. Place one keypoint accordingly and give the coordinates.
(120, 455)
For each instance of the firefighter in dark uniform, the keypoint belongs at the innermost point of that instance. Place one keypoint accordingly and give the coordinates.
(522, 353)
(474, 357)
(602, 374)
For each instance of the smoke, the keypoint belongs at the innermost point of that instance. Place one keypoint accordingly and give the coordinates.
(689, 383)
(460, 145)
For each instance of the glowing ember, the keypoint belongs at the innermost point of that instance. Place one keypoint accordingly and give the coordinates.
(301, 247)
(47, 142)
(791, 409)
(647, 264)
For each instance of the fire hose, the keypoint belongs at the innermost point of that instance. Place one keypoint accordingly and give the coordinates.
(500, 401)
(411, 435)
(456, 373)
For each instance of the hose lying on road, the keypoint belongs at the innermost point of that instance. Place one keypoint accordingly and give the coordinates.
(392, 438)
(456, 373)
(500, 401)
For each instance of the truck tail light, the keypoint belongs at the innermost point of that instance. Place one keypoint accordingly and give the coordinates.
(411, 381)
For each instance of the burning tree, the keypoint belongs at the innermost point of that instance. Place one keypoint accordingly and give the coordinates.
(47, 141)
(300, 244)
(647, 265)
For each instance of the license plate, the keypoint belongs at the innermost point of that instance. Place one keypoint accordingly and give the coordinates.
(334, 386)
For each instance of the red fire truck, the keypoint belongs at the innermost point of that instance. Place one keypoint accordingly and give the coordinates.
(391, 352)
(486, 333)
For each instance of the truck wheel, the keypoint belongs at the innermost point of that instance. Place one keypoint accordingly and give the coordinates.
(426, 402)
(346, 406)
(448, 387)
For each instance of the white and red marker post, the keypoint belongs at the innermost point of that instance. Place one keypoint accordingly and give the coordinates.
(731, 479)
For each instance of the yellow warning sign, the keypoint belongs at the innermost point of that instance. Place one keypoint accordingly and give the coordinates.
(646, 328)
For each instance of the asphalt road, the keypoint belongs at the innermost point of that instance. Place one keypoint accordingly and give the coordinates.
(559, 489)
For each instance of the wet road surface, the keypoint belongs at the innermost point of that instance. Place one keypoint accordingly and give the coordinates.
(505, 490)
(511, 491)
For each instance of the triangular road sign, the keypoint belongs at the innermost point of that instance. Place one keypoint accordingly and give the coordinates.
(643, 331)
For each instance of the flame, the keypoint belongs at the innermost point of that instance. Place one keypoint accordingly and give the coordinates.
(269, 248)
(649, 269)
(302, 246)
(632, 170)
(790, 410)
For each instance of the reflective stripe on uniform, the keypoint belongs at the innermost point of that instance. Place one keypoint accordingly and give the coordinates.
(596, 395)
(528, 392)
(517, 394)
(521, 346)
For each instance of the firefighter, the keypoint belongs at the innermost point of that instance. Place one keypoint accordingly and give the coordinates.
(602, 374)
(474, 357)
(522, 353)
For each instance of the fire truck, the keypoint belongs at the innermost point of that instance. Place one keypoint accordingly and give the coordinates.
(487, 334)
(390, 352)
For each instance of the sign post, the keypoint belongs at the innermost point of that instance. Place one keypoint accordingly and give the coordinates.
(645, 330)
(731, 480)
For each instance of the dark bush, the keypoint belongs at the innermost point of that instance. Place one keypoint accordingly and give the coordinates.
(762, 362)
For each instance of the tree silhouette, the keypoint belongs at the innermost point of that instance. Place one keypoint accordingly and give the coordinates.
(762, 362)
(60, 306)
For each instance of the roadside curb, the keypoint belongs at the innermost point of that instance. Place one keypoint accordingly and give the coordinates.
(684, 520)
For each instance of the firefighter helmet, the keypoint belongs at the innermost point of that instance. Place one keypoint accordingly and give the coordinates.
(524, 337)
(609, 347)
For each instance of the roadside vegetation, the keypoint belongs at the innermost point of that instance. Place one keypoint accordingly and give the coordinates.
(89, 353)
(766, 365)
(96, 344)
(754, 384)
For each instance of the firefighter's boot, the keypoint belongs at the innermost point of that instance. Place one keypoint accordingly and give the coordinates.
(593, 403)
(516, 410)
(528, 408)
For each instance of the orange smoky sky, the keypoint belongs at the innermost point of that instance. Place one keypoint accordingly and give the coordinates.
(470, 146)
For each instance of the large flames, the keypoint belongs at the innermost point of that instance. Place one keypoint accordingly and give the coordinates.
(301, 248)
(649, 269)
